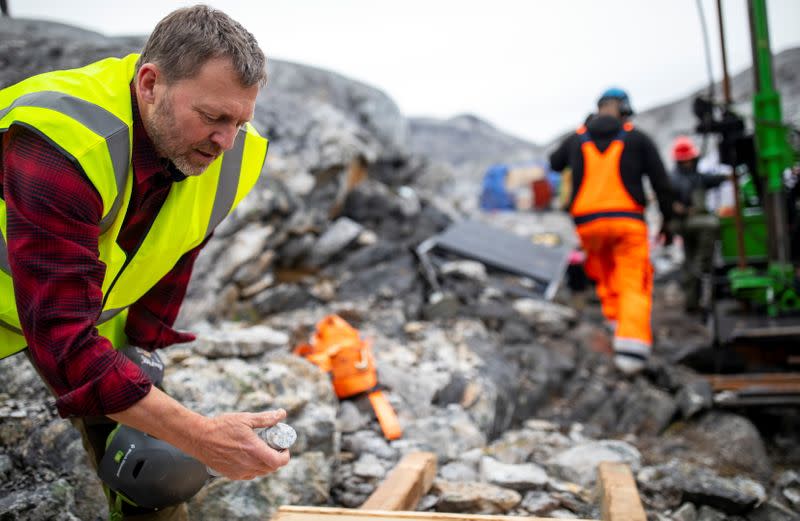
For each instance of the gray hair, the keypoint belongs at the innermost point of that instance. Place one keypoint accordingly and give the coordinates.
(187, 38)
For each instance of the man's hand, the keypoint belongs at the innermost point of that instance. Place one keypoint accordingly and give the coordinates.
(231, 447)
(226, 443)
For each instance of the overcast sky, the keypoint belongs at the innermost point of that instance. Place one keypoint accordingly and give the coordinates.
(533, 68)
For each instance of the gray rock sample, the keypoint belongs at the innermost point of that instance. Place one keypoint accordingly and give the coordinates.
(369, 466)
(694, 397)
(772, 511)
(335, 239)
(709, 514)
(646, 410)
(369, 442)
(719, 438)
(734, 496)
(305, 480)
(284, 297)
(686, 512)
(520, 477)
(474, 498)
(539, 503)
(231, 340)
(702, 486)
(449, 433)
(579, 464)
(458, 471)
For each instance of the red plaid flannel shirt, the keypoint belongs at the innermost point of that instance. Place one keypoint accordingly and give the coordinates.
(53, 227)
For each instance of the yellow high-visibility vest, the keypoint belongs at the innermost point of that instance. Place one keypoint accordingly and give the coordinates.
(87, 114)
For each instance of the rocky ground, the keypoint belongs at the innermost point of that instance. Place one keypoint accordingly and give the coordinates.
(516, 396)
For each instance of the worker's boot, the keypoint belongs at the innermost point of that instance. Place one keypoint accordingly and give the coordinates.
(630, 355)
(629, 365)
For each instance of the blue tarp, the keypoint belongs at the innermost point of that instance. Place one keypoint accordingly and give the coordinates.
(494, 195)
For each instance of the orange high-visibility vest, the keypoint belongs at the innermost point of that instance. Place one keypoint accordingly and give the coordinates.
(602, 192)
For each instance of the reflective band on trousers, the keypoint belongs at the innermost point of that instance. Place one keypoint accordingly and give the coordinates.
(631, 346)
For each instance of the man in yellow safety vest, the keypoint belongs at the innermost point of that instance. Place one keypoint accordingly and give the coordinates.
(113, 176)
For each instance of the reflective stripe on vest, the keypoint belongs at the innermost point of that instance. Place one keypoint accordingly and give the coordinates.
(602, 192)
(86, 113)
(10, 327)
(228, 183)
(224, 199)
(4, 265)
(96, 119)
(108, 314)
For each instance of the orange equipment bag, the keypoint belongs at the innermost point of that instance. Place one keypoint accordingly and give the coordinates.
(336, 347)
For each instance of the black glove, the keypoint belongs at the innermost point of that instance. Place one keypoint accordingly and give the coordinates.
(149, 362)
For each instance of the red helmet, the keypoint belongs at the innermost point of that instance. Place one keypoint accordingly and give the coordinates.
(683, 149)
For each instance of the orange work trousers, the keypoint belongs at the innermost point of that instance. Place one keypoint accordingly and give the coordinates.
(618, 260)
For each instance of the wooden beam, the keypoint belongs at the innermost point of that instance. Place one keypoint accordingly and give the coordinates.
(619, 496)
(288, 513)
(776, 382)
(405, 485)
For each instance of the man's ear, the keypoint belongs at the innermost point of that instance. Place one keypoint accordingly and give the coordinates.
(146, 80)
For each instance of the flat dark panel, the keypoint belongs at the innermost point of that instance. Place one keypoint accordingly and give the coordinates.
(504, 250)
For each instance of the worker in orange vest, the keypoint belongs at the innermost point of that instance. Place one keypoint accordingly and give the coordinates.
(608, 159)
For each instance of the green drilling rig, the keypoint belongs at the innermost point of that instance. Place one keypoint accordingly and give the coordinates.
(753, 296)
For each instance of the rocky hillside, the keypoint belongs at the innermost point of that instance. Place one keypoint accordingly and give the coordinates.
(464, 140)
(667, 121)
(318, 117)
(471, 144)
(515, 396)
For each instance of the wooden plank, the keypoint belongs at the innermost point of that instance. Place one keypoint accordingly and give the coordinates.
(405, 485)
(290, 513)
(777, 382)
(619, 496)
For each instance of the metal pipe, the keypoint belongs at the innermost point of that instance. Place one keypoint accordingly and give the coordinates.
(726, 82)
(707, 49)
(726, 89)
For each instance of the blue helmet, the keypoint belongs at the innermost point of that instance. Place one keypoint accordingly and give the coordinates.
(620, 95)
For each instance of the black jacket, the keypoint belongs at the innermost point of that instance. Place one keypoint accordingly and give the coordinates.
(687, 184)
(639, 158)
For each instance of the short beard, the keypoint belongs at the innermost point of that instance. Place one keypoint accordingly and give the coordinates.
(165, 135)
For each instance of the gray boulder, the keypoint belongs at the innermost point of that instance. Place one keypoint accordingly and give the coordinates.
(474, 498)
(579, 463)
(519, 477)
